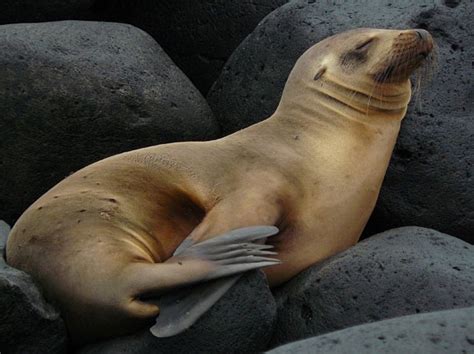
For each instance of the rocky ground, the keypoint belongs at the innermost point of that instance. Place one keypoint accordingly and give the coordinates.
(449, 331)
(73, 92)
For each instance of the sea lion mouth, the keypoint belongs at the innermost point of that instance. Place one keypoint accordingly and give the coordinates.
(409, 51)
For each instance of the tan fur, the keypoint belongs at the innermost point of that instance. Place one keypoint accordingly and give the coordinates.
(314, 169)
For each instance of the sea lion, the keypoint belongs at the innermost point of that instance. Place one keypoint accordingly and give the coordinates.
(107, 239)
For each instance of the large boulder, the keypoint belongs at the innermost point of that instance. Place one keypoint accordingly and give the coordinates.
(75, 92)
(399, 272)
(240, 322)
(250, 85)
(16, 11)
(4, 231)
(436, 333)
(430, 179)
(429, 182)
(27, 323)
(198, 35)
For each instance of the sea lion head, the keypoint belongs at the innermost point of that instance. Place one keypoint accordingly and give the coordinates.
(366, 70)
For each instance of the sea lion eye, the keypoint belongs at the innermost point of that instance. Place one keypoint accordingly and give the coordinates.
(364, 45)
(357, 55)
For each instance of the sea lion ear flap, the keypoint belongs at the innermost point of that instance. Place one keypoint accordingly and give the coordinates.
(320, 73)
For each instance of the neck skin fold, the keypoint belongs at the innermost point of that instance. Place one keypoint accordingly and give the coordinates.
(331, 102)
(334, 119)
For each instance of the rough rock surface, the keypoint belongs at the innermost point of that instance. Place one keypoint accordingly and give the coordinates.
(16, 11)
(240, 322)
(4, 231)
(27, 323)
(439, 332)
(250, 85)
(429, 182)
(399, 272)
(198, 35)
(431, 176)
(74, 92)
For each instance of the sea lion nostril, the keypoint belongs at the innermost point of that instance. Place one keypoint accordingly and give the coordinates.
(422, 34)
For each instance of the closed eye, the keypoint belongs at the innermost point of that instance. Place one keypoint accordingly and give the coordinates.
(364, 45)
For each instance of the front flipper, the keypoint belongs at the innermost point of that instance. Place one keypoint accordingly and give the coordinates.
(229, 255)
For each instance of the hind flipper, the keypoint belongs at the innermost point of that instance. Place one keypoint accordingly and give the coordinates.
(225, 257)
(211, 259)
(231, 253)
(181, 308)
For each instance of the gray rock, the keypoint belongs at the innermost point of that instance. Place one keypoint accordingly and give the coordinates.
(75, 92)
(399, 272)
(4, 231)
(198, 35)
(430, 179)
(429, 182)
(240, 322)
(250, 85)
(27, 323)
(435, 333)
(16, 11)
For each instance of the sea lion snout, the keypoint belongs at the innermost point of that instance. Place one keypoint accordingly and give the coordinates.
(424, 35)
(427, 43)
(407, 53)
(424, 41)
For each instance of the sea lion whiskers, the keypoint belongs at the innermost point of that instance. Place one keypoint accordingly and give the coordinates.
(424, 74)
(403, 60)
(377, 86)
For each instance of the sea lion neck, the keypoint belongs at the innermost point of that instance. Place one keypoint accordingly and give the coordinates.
(332, 101)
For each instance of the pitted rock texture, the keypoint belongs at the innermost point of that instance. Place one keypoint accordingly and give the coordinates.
(75, 92)
(429, 182)
(431, 176)
(17, 11)
(399, 272)
(27, 323)
(240, 322)
(250, 85)
(441, 332)
(4, 231)
(198, 35)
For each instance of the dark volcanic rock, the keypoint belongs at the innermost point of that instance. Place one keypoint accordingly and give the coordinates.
(250, 85)
(430, 179)
(399, 272)
(436, 333)
(240, 322)
(27, 323)
(198, 35)
(4, 231)
(74, 92)
(15, 11)
(429, 182)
